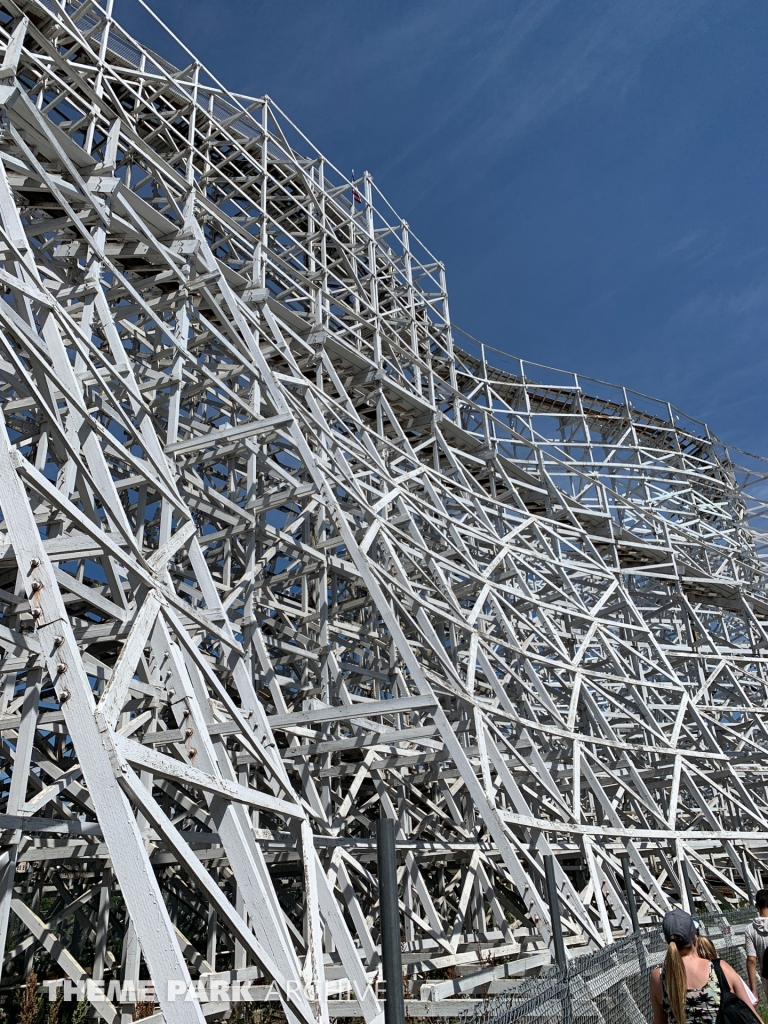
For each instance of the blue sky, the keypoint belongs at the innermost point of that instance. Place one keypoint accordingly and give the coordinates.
(593, 174)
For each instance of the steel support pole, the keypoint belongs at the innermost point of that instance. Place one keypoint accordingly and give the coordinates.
(554, 910)
(631, 904)
(688, 889)
(391, 955)
(748, 881)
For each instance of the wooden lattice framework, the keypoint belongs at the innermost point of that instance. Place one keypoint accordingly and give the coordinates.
(279, 558)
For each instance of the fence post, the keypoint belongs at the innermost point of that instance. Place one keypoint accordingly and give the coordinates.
(629, 891)
(391, 953)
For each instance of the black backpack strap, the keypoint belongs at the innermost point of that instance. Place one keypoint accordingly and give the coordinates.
(724, 986)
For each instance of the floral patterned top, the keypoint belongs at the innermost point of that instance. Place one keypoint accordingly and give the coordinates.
(701, 1004)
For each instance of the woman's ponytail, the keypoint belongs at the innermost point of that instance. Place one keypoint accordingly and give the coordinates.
(675, 980)
(706, 947)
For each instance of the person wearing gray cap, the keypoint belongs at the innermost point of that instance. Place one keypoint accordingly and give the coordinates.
(689, 989)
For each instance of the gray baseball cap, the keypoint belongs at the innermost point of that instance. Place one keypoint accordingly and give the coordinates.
(677, 922)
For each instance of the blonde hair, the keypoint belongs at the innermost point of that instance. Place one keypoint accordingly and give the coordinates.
(675, 980)
(706, 947)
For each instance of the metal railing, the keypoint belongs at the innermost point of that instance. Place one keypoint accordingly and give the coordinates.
(608, 986)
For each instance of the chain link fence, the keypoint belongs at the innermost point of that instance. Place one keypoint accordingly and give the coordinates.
(609, 986)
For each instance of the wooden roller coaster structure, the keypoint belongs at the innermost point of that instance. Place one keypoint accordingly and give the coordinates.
(278, 557)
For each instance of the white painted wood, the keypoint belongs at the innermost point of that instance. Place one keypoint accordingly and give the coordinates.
(307, 561)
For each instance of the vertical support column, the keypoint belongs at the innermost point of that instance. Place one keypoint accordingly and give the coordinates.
(263, 244)
(131, 970)
(631, 903)
(687, 884)
(391, 956)
(17, 794)
(414, 331)
(102, 926)
(749, 882)
(449, 344)
(192, 127)
(99, 85)
(489, 427)
(372, 267)
(212, 938)
(642, 960)
(558, 944)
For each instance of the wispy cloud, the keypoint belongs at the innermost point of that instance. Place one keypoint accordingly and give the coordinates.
(484, 39)
(600, 59)
(717, 354)
(748, 304)
(695, 247)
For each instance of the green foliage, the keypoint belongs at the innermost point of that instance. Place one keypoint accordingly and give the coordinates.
(81, 1012)
(54, 1008)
